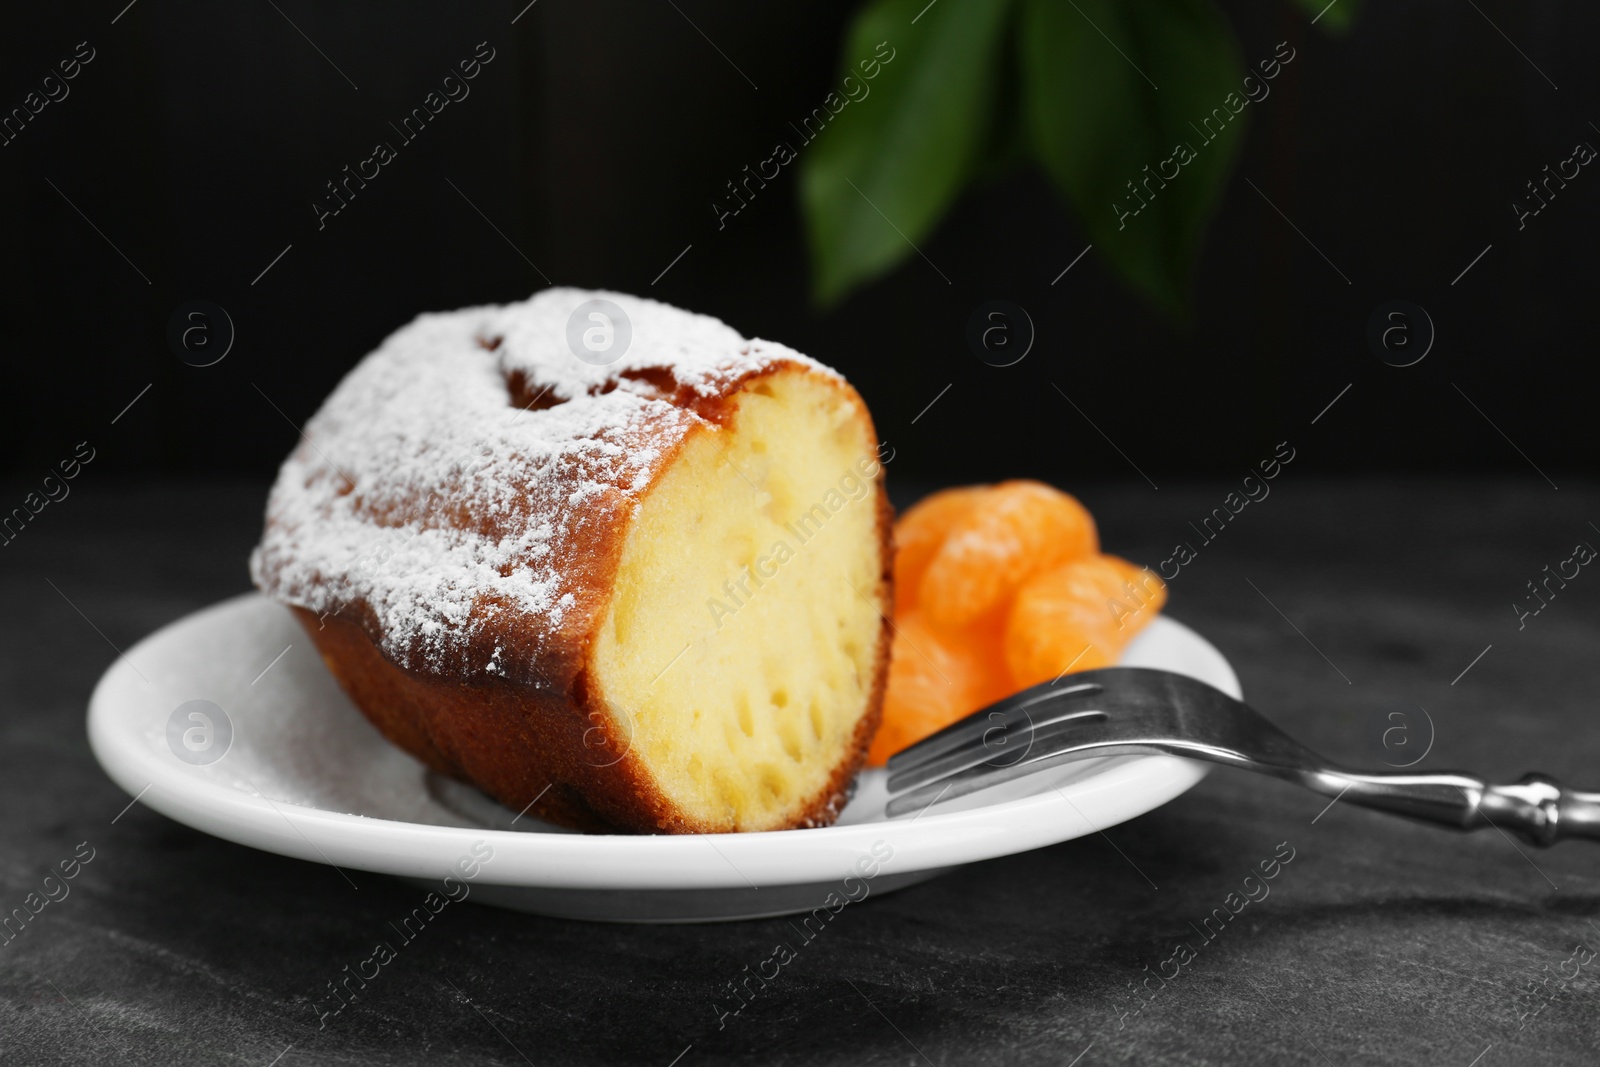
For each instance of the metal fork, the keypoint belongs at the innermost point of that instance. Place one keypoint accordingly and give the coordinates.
(1123, 710)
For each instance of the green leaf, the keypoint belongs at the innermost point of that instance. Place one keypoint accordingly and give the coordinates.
(885, 169)
(1111, 88)
(1335, 17)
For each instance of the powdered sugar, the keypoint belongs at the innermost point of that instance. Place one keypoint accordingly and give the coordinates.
(436, 511)
(703, 352)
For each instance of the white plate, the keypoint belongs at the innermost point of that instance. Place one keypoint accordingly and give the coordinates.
(305, 775)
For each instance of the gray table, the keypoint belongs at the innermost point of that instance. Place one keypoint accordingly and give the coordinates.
(1381, 942)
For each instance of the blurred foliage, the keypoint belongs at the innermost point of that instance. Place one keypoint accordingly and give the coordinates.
(1096, 92)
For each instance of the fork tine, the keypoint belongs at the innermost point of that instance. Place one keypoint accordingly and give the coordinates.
(1054, 751)
(1010, 747)
(1013, 711)
(981, 777)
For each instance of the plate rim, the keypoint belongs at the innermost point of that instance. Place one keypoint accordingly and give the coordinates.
(622, 861)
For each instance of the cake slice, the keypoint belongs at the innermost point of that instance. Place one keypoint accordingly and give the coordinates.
(650, 595)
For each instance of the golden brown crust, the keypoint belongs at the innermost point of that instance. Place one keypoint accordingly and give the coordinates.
(539, 738)
(512, 741)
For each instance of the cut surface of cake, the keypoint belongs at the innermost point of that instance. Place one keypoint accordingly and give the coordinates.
(650, 595)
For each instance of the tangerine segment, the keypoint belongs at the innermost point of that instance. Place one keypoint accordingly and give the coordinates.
(934, 679)
(920, 532)
(1078, 615)
(1022, 527)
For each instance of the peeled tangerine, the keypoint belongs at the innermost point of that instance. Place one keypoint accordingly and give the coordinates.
(935, 679)
(921, 530)
(998, 588)
(1078, 615)
(1015, 529)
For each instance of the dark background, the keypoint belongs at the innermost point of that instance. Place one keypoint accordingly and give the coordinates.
(201, 133)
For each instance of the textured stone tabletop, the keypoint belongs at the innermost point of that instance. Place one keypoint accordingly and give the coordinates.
(1346, 608)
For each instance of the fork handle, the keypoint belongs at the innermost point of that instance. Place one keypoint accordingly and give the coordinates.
(1537, 808)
